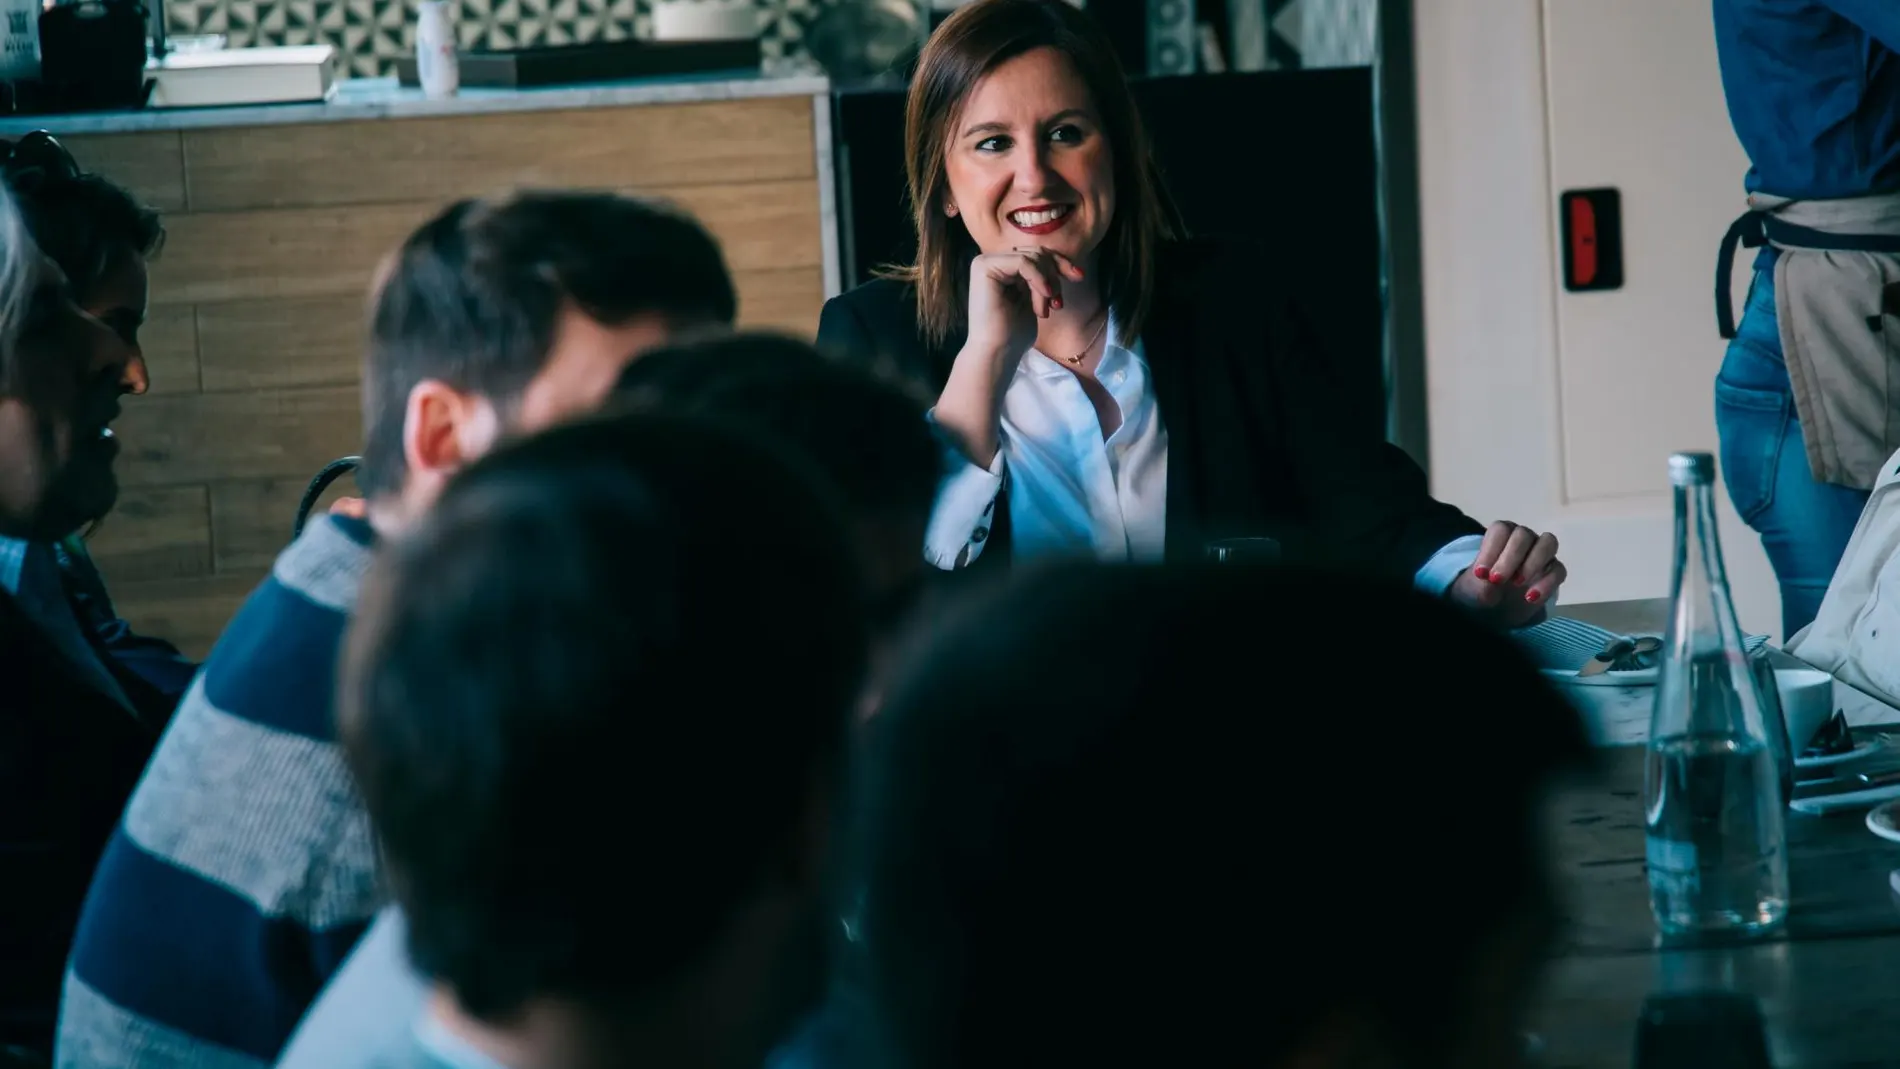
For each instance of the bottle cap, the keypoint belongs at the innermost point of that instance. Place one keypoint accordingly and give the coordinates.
(1691, 469)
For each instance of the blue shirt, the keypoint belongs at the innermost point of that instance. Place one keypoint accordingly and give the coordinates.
(1813, 90)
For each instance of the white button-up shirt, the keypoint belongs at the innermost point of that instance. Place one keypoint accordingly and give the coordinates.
(1074, 492)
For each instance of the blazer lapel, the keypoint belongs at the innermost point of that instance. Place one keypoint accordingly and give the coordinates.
(38, 655)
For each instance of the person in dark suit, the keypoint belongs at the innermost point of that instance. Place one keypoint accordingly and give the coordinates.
(73, 737)
(1110, 387)
(100, 237)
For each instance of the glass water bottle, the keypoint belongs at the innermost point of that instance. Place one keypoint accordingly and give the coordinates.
(1713, 808)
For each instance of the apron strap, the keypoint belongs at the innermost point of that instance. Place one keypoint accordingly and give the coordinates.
(1748, 231)
(1757, 228)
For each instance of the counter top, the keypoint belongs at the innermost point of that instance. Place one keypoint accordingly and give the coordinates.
(359, 99)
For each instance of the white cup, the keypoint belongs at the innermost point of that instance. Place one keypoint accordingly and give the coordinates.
(1807, 700)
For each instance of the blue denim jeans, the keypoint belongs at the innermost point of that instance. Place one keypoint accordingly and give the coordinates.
(1804, 524)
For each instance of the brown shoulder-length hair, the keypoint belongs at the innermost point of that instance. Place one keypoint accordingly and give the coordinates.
(969, 45)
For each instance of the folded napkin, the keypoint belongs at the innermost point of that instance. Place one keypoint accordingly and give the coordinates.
(1561, 644)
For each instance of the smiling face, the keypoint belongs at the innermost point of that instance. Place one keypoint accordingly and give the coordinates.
(1028, 164)
(56, 448)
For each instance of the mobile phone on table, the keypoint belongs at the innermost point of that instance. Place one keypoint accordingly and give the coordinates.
(1702, 1030)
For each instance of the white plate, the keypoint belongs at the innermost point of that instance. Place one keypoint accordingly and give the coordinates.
(1641, 677)
(1864, 749)
(1884, 820)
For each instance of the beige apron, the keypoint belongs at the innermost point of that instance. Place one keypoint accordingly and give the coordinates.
(1839, 311)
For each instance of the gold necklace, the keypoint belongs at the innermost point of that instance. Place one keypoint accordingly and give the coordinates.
(1076, 360)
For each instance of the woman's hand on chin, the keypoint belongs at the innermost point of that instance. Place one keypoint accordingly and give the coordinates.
(1515, 578)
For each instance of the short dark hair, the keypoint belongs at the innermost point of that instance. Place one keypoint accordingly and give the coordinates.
(866, 432)
(474, 297)
(1184, 834)
(588, 705)
(975, 40)
(85, 222)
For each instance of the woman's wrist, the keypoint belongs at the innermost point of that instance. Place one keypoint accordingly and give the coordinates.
(967, 410)
(973, 429)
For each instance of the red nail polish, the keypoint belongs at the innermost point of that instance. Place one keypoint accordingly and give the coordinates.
(1481, 571)
(1533, 596)
(1497, 577)
(1519, 580)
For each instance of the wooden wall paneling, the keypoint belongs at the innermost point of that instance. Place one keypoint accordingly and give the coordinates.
(279, 253)
(787, 300)
(189, 613)
(301, 341)
(437, 160)
(154, 533)
(284, 253)
(763, 226)
(251, 518)
(255, 334)
(151, 165)
(169, 340)
(208, 437)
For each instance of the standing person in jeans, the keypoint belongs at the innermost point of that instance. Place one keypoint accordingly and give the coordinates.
(1807, 397)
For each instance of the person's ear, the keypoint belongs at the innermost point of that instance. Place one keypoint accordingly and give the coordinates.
(443, 429)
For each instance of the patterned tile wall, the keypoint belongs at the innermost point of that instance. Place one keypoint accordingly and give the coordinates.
(373, 34)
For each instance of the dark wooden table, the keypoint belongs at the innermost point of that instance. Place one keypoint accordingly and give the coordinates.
(1829, 982)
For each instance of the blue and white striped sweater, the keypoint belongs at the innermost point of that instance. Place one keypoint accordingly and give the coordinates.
(244, 870)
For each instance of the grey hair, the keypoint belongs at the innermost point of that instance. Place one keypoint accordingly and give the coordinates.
(20, 268)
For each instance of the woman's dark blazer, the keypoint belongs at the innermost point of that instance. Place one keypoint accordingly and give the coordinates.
(1258, 442)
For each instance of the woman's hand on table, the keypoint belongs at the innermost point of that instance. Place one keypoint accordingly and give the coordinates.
(1515, 578)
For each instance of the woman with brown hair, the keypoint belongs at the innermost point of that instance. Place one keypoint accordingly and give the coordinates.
(1110, 386)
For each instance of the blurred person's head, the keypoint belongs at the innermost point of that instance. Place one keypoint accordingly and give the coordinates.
(1143, 849)
(61, 374)
(503, 316)
(597, 718)
(98, 233)
(864, 432)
